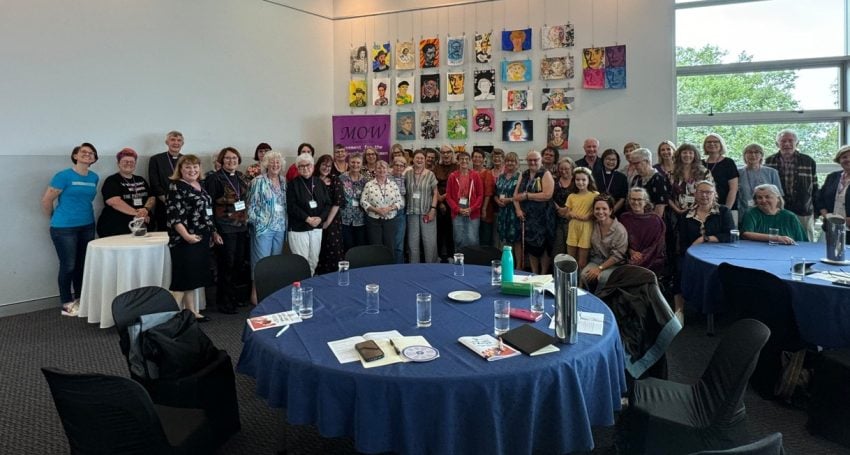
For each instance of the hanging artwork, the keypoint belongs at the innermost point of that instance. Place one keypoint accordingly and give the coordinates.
(593, 67)
(380, 57)
(558, 133)
(379, 91)
(357, 93)
(456, 47)
(557, 36)
(405, 130)
(358, 59)
(615, 66)
(455, 86)
(483, 47)
(556, 68)
(430, 124)
(517, 130)
(429, 53)
(516, 40)
(516, 71)
(405, 55)
(404, 90)
(516, 99)
(482, 119)
(430, 88)
(485, 84)
(557, 99)
(457, 124)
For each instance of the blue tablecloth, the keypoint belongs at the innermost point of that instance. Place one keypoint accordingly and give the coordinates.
(822, 309)
(459, 403)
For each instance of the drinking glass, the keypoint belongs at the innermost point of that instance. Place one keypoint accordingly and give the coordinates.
(538, 294)
(373, 299)
(734, 237)
(423, 309)
(496, 273)
(306, 311)
(343, 277)
(798, 268)
(458, 262)
(773, 236)
(501, 316)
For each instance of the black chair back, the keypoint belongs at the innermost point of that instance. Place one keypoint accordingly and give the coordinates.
(768, 445)
(480, 255)
(278, 271)
(369, 255)
(128, 306)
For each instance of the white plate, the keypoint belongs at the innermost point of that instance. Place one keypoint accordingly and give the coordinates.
(464, 296)
(830, 261)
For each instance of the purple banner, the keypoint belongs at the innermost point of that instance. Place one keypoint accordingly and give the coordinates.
(357, 132)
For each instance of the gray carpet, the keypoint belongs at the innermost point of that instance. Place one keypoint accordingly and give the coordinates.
(29, 423)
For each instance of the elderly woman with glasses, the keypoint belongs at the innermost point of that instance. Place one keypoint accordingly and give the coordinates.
(381, 199)
(646, 229)
(753, 174)
(533, 206)
(267, 211)
(308, 206)
(646, 177)
(770, 214)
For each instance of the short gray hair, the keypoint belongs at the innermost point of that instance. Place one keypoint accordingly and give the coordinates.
(770, 188)
(647, 204)
(270, 156)
(304, 158)
(787, 131)
(642, 153)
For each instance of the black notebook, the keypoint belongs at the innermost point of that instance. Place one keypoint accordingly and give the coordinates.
(530, 340)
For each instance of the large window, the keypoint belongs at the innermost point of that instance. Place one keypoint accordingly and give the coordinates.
(747, 69)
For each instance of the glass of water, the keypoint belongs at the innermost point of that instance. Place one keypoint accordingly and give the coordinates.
(734, 237)
(773, 236)
(373, 299)
(458, 262)
(496, 273)
(343, 277)
(306, 311)
(798, 268)
(423, 309)
(501, 316)
(538, 294)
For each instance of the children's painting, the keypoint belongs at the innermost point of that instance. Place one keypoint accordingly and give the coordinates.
(457, 124)
(593, 67)
(558, 133)
(380, 89)
(483, 47)
(516, 40)
(429, 53)
(357, 93)
(615, 66)
(485, 85)
(405, 56)
(405, 88)
(359, 54)
(557, 36)
(405, 126)
(429, 88)
(516, 100)
(557, 99)
(455, 86)
(482, 119)
(516, 71)
(553, 68)
(517, 130)
(430, 124)
(381, 57)
(455, 52)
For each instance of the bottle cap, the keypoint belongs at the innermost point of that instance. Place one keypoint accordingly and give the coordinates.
(297, 284)
(509, 248)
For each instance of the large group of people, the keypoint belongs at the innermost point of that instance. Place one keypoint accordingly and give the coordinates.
(636, 207)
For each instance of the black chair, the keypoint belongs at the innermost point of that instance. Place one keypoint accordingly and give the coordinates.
(369, 255)
(212, 388)
(278, 271)
(673, 418)
(480, 255)
(768, 445)
(763, 296)
(110, 415)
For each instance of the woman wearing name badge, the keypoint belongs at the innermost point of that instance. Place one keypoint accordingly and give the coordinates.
(228, 189)
(125, 196)
(352, 216)
(191, 233)
(533, 207)
(370, 163)
(608, 244)
(769, 214)
(397, 172)
(266, 202)
(308, 206)
(72, 221)
(613, 183)
(464, 196)
(507, 223)
(381, 199)
(832, 198)
(421, 203)
(304, 147)
(332, 245)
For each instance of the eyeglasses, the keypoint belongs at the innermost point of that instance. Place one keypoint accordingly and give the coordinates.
(532, 160)
(712, 142)
(640, 199)
(85, 152)
(705, 192)
(304, 166)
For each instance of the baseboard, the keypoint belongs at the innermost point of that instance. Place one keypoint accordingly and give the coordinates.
(11, 309)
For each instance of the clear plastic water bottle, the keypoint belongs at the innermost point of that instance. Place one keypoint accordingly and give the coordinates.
(297, 297)
(507, 264)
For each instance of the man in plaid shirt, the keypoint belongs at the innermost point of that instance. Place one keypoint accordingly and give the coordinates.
(798, 175)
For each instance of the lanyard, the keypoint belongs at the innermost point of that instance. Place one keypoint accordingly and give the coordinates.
(608, 183)
(236, 188)
(131, 184)
(171, 161)
(312, 187)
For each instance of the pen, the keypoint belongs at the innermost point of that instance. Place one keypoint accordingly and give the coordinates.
(284, 329)
(501, 345)
(395, 347)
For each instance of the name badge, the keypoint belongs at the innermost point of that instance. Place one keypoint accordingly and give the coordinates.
(313, 204)
(416, 195)
(239, 206)
(464, 201)
(355, 203)
(137, 201)
(751, 203)
(504, 196)
(208, 211)
(689, 200)
(278, 208)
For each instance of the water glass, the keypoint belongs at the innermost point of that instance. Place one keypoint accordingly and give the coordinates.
(734, 237)
(373, 299)
(423, 309)
(458, 262)
(343, 278)
(798, 268)
(538, 294)
(501, 316)
(306, 311)
(496, 273)
(773, 236)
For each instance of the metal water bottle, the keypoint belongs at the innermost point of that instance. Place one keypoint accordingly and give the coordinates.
(566, 293)
(507, 264)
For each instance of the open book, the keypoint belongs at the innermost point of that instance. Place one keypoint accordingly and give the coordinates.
(273, 320)
(391, 343)
(488, 347)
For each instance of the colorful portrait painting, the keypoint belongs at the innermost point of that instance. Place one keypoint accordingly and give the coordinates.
(483, 119)
(558, 133)
(430, 124)
(557, 36)
(483, 47)
(405, 126)
(485, 85)
(553, 68)
(429, 53)
(516, 71)
(455, 86)
(381, 57)
(615, 67)
(429, 91)
(517, 130)
(516, 100)
(593, 67)
(357, 93)
(380, 91)
(557, 99)
(405, 56)
(405, 88)
(516, 40)
(359, 56)
(455, 50)
(457, 124)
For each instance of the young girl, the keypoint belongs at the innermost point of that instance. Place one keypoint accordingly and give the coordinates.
(580, 207)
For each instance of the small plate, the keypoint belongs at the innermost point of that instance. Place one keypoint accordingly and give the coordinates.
(830, 261)
(420, 353)
(464, 296)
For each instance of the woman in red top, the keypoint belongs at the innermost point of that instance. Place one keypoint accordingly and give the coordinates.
(464, 195)
(488, 182)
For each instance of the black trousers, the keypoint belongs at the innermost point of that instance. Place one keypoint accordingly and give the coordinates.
(231, 259)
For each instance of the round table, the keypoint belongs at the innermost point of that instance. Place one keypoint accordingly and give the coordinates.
(458, 403)
(821, 308)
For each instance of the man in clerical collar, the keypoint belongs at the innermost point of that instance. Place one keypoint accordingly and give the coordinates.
(160, 168)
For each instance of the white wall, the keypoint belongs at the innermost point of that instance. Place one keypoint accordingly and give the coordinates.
(643, 112)
(123, 73)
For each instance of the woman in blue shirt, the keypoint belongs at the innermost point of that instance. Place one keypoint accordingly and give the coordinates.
(68, 203)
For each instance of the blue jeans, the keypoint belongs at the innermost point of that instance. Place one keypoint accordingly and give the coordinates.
(400, 228)
(70, 244)
(268, 243)
(465, 231)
